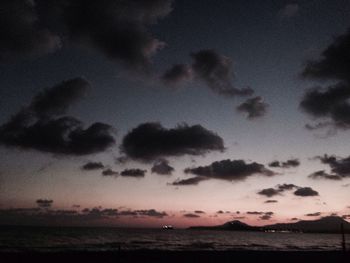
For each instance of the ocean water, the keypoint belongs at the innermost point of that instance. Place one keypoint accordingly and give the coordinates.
(110, 239)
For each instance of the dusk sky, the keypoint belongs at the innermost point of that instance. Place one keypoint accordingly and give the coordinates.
(146, 113)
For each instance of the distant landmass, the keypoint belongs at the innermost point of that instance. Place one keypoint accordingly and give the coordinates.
(329, 224)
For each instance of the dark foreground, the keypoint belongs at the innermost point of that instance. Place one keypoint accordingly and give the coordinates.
(178, 256)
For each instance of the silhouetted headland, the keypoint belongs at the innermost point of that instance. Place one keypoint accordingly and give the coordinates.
(329, 224)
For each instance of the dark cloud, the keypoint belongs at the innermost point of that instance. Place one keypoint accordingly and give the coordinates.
(92, 166)
(269, 192)
(199, 212)
(255, 213)
(133, 173)
(210, 67)
(284, 187)
(254, 107)
(270, 201)
(40, 127)
(151, 213)
(109, 172)
(190, 215)
(21, 34)
(162, 167)
(287, 164)
(220, 212)
(330, 104)
(231, 170)
(44, 203)
(339, 166)
(313, 214)
(216, 71)
(150, 141)
(118, 29)
(189, 181)
(177, 73)
(294, 219)
(265, 217)
(323, 175)
(305, 191)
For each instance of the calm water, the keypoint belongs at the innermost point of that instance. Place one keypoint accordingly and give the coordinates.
(104, 239)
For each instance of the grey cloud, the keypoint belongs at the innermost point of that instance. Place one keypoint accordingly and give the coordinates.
(41, 127)
(321, 174)
(109, 172)
(253, 107)
(151, 141)
(305, 192)
(162, 167)
(231, 170)
(133, 173)
(287, 164)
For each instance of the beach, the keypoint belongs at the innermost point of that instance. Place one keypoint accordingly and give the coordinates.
(178, 256)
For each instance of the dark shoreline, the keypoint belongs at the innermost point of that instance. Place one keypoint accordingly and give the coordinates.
(178, 256)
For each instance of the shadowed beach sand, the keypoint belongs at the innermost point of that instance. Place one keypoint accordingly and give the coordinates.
(179, 256)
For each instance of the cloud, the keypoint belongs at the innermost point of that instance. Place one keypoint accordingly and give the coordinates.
(330, 104)
(269, 192)
(42, 127)
(305, 191)
(120, 30)
(133, 173)
(254, 107)
(199, 212)
(262, 215)
(323, 175)
(151, 213)
(21, 34)
(265, 217)
(177, 73)
(339, 166)
(287, 164)
(151, 141)
(220, 212)
(313, 214)
(280, 188)
(270, 201)
(44, 203)
(109, 172)
(190, 215)
(162, 167)
(216, 71)
(288, 11)
(92, 166)
(284, 187)
(231, 170)
(189, 181)
(211, 68)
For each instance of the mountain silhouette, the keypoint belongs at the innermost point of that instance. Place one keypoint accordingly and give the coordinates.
(329, 224)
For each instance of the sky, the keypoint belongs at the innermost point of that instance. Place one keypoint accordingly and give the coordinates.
(144, 113)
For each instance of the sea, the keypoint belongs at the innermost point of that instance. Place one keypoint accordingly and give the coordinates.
(56, 239)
